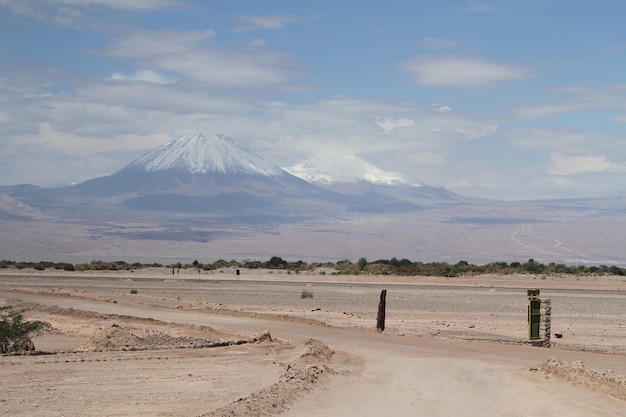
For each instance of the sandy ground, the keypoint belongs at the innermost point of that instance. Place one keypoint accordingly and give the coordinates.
(153, 343)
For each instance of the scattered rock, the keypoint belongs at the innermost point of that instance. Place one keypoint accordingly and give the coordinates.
(265, 336)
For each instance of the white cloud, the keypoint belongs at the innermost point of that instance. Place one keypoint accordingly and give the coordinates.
(193, 56)
(264, 22)
(477, 133)
(28, 7)
(546, 110)
(20, 8)
(82, 13)
(452, 71)
(125, 4)
(103, 124)
(571, 165)
(345, 123)
(562, 182)
(75, 144)
(476, 7)
(615, 49)
(158, 43)
(257, 43)
(428, 159)
(146, 75)
(49, 157)
(388, 125)
(462, 183)
(44, 12)
(612, 96)
(438, 108)
(467, 129)
(556, 139)
(438, 43)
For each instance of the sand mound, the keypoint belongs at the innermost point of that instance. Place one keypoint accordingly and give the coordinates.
(318, 351)
(112, 338)
(309, 371)
(577, 373)
(122, 338)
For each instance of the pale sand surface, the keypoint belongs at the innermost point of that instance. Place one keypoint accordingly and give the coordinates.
(452, 346)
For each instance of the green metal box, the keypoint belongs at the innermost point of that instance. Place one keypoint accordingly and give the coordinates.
(534, 318)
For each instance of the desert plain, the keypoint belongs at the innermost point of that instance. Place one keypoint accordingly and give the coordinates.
(267, 342)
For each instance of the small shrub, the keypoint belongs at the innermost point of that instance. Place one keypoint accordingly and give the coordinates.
(15, 332)
(133, 291)
(306, 294)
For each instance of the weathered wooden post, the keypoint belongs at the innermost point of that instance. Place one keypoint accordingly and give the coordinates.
(380, 321)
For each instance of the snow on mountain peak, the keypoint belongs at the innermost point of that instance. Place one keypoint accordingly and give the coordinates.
(333, 169)
(202, 153)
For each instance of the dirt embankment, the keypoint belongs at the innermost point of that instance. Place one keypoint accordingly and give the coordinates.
(577, 373)
(109, 333)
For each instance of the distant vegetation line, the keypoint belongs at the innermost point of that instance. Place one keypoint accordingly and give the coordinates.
(391, 266)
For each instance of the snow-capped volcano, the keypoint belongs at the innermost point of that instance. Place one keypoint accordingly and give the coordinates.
(346, 169)
(204, 173)
(201, 153)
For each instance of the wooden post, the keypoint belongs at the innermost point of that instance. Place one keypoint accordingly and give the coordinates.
(380, 321)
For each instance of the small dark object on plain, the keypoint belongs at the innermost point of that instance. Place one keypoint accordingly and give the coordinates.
(380, 320)
(558, 335)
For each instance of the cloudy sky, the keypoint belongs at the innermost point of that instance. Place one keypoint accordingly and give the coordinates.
(498, 99)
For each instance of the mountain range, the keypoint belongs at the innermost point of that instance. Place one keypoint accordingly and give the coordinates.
(206, 196)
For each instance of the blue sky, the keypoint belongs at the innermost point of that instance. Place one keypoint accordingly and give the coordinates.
(499, 99)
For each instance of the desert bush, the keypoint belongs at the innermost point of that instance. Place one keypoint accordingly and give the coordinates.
(69, 267)
(15, 332)
(362, 263)
(393, 266)
(276, 262)
(133, 291)
(306, 294)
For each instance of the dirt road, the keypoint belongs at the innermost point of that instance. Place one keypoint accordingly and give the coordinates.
(403, 372)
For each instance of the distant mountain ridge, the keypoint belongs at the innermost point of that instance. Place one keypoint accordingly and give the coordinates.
(346, 169)
(204, 172)
(11, 208)
(205, 196)
(208, 172)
